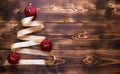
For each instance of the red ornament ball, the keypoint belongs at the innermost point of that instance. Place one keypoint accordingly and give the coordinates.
(13, 58)
(30, 11)
(46, 45)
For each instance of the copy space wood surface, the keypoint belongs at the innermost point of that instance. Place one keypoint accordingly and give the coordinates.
(85, 33)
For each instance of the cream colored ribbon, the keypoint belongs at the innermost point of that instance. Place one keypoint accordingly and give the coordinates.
(30, 40)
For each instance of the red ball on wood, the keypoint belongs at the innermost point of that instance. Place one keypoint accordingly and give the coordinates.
(46, 45)
(13, 58)
(30, 10)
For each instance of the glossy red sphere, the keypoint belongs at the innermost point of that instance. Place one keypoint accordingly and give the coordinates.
(13, 58)
(30, 11)
(46, 45)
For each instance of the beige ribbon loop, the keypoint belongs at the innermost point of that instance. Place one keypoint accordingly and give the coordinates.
(31, 40)
(35, 61)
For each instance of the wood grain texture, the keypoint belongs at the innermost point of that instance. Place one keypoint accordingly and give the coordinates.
(77, 61)
(62, 11)
(85, 33)
(70, 35)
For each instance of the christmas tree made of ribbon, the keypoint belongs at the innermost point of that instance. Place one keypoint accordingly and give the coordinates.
(30, 40)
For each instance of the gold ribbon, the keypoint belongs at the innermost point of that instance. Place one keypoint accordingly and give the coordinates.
(30, 40)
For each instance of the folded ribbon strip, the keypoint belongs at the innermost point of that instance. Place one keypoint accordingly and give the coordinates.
(30, 40)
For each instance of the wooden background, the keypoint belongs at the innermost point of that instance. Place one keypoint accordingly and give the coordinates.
(84, 32)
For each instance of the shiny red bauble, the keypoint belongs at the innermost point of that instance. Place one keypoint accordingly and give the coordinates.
(13, 58)
(46, 45)
(30, 11)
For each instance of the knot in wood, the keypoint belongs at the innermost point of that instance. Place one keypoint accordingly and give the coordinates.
(83, 34)
(80, 35)
(89, 60)
(68, 20)
(9, 35)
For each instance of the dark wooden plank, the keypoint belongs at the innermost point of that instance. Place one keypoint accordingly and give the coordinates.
(77, 61)
(92, 35)
(63, 11)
